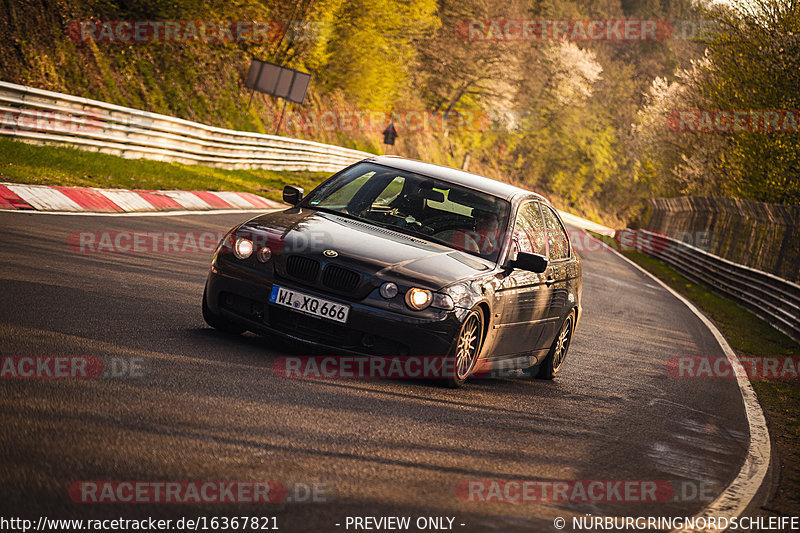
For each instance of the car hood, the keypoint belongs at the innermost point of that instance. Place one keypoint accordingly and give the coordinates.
(373, 251)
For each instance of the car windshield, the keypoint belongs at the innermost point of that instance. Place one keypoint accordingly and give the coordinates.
(462, 218)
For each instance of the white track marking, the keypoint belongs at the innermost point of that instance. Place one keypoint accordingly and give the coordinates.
(733, 501)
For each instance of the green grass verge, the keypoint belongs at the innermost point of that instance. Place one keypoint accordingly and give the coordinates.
(750, 336)
(55, 165)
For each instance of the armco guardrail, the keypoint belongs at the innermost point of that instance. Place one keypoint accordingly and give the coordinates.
(772, 298)
(46, 117)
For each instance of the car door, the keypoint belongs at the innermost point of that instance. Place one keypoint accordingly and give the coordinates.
(558, 273)
(525, 296)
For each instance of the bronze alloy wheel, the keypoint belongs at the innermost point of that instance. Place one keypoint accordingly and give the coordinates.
(467, 349)
(558, 352)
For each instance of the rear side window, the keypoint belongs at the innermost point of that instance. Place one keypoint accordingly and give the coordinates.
(529, 230)
(556, 235)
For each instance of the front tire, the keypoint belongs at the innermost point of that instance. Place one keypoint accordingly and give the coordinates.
(558, 351)
(459, 364)
(218, 322)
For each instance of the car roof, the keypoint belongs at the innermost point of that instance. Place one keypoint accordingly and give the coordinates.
(453, 175)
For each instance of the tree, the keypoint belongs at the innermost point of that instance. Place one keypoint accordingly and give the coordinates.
(754, 53)
(370, 49)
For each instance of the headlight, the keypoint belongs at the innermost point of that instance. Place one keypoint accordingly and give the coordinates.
(418, 299)
(442, 301)
(389, 290)
(243, 248)
(460, 294)
(264, 254)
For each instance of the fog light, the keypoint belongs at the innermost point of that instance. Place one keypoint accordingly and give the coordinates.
(418, 299)
(389, 290)
(264, 254)
(243, 248)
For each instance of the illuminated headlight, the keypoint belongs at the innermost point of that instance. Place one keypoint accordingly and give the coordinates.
(243, 248)
(388, 290)
(264, 254)
(418, 299)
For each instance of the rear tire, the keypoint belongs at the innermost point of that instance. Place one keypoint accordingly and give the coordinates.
(217, 322)
(459, 364)
(552, 363)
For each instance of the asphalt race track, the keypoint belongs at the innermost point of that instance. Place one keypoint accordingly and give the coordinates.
(207, 406)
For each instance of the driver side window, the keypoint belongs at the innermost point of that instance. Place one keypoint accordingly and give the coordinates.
(529, 234)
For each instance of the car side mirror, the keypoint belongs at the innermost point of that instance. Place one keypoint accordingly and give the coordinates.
(292, 195)
(531, 262)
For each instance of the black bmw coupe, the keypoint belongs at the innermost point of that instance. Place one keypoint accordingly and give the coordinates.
(395, 257)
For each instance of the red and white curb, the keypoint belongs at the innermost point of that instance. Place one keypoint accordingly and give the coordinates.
(92, 200)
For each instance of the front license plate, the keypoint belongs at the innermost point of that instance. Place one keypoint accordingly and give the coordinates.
(310, 305)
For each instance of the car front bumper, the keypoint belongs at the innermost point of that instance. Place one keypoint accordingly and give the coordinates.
(369, 330)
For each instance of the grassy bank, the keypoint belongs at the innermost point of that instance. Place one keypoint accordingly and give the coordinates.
(55, 165)
(752, 337)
